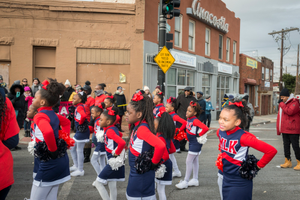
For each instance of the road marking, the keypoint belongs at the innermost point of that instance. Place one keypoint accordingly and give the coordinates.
(65, 189)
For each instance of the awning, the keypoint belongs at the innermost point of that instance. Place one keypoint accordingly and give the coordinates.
(250, 81)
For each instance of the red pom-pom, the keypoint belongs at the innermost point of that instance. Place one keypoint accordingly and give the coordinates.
(219, 162)
(65, 136)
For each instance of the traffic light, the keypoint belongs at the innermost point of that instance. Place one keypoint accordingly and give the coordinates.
(169, 8)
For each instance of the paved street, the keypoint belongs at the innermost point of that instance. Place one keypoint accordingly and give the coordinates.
(271, 183)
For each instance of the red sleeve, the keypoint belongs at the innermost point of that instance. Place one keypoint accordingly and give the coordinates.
(91, 129)
(162, 109)
(43, 122)
(92, 103)
(64, 123)
(291, 108)
(159, 147)
(81, 111)
(183, 123)
(199, 124)
(217, 133)
(268, 150)
(172, 148)
(10, 127)
(121, 143)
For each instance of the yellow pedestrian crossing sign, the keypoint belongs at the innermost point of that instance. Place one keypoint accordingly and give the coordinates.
(164, 59)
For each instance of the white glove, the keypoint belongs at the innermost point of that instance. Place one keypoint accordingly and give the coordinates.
(30, 147)
(100, 136)
(202, 139)
(160, 172)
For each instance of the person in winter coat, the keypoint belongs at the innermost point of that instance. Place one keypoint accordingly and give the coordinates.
(208, 109)
(36, 85)
(69, 90)
(3, 84)
(288, 124)
(201, 101)
(147, 91)
(252, 112)
(121, 103)
(28, 99)
(9, 138)
(25, 83)
(157, 90)
(182, 103)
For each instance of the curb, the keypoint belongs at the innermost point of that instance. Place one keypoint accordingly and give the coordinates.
(263, 122)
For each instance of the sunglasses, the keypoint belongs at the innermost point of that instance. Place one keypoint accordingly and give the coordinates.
(24, 81)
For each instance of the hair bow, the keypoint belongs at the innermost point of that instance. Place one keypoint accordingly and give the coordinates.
(160, 93)
(100, 106)
(111, 97)
(111, 112)
(81, 93)
(170, 100)
(194, 104)
(137, 97)
(45, 83)
(238, 104)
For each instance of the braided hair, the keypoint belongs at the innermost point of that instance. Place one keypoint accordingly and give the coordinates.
(111, 117)
(53, 90)
(82, 96)
(240, 112)
(173, 103)
(166, 126)
(197, 108)
(160, 95)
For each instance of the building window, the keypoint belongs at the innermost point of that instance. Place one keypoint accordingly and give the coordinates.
(206, 84)
(207, 42)
(267, 74)
(234, 52)
(178, 31)
(262, 73)
(191, 35)
(222, 88)
(220, 47)
(228, 49)
(271, 75)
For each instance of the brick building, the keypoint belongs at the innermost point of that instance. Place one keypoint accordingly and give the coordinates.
(256, 80)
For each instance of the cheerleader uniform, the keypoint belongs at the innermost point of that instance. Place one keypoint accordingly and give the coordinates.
(167, 179)
(141, 186)
(158, 110)
(234, 148)
(192, 127)
(113, 142)
(53, 172)
(179, 123)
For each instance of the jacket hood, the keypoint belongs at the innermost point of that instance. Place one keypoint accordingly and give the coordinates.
(291, 97)
(119, 93)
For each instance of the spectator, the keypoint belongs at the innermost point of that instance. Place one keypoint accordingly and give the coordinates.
(182, 103)
(69, 90)
(252, 113)
(147, 91)
(3, 84)
(225, 98)
(208, 109)
(99, 94)
(121, 103)
(25, 83)
(78, 88)
(28, 99)
(157, 90)
(201, 101)
(288, 124)
(36, 85)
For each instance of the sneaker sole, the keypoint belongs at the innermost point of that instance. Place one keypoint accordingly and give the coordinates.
(176, 176)
(181, 188)
(193, 185)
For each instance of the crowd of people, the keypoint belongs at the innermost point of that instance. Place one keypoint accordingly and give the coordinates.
(158, 127)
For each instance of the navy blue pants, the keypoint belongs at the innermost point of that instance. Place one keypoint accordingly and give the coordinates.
(4, 192)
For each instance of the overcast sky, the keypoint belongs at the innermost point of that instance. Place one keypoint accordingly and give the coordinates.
(260, 17)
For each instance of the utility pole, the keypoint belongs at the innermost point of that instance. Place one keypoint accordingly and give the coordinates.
(282, 37)
(297, 73)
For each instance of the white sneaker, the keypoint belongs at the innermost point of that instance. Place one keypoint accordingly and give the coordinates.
(73, 168)
(182, 185)
(193, 182)
(176, 174)
(77, 173)
(94, 184)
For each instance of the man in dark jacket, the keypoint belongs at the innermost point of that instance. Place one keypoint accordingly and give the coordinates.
(121, 103)
(69, 90)
(183, 102)
(201, 101)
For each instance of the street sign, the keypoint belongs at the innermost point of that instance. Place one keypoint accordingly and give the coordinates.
(164, 59)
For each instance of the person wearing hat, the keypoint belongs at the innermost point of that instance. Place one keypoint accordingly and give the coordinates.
(120, 103)
(230, 98)
(288, 124)
(252, 112)
(208, 109)
(147, 91)
(3, 84)
(157, 90)
(182, 103)
(69, 90)
(225, 98)
(36, 85)
(201, 101)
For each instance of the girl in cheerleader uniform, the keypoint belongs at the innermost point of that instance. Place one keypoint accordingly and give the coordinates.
(53, 167)
(180, 125)
(142, 139)
(98, 158)
(234, 144)
(194, 129)
(158, 102)
(81, 136)
(165, 129)
(114, 145)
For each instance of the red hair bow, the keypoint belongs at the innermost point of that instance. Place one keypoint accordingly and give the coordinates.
(100, 106)
(111, 97)
(170, 100)
(137, 97)
(45, 83)
(160, 93)
(111, 112)
(193, 104)
(238, 104)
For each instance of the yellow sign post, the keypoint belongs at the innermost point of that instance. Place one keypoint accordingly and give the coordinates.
(164, 59)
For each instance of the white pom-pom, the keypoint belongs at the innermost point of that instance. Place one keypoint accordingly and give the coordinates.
(100, 136)
(160, 172)
(117, 162)
(31, 147)
(202, 139)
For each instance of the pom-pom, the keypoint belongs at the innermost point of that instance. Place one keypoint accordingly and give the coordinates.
(65, 136)
(100, 136)
(41, 150)
(83, 127)
(31, 147)
(143, 162)
(87, 83)
(219, 162)
(249, 168)
(180, 135)
(202, 139)
(118, 161)
(160, 172)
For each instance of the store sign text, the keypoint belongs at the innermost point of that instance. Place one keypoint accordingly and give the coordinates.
(224, 68)
(184, 59)
(208, 17)
(251, 63)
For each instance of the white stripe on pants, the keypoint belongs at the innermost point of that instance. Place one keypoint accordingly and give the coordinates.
(44, 193)
(77, 155)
